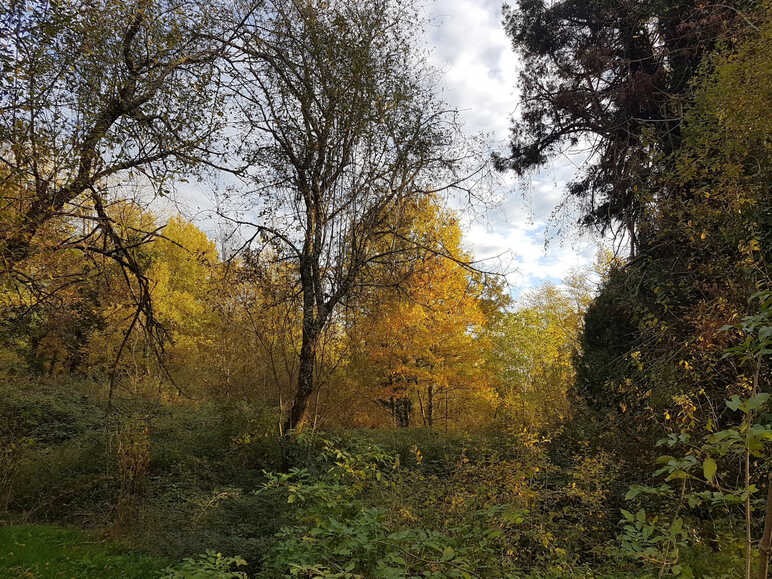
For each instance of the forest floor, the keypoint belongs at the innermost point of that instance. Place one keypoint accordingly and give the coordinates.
(152, 484)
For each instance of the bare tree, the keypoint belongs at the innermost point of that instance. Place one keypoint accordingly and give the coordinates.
(92, 92)
(342, 134)
(100, 99)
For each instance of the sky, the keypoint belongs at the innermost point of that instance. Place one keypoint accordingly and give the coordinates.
(478, 71)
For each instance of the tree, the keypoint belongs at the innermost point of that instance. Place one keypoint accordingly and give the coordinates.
(532, 350)
(99, 97)
(611, 77)
(181, 267)
(253, 332)
(343, 134)
(419, 346)
(64, 293)
(652, 353)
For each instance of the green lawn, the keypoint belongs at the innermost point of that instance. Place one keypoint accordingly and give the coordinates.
(42, 551)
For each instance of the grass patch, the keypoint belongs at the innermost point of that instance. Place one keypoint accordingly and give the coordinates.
(43, 551)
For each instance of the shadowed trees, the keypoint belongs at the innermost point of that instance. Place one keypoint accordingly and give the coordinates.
(611, 77)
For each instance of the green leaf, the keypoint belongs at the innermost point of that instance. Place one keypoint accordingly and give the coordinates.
(709, 468)
(632, 493)
(677, 475)
(757, 401)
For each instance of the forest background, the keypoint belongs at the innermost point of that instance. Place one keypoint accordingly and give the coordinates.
(332, 386)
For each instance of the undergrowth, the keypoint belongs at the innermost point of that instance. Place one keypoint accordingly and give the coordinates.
(211, 487)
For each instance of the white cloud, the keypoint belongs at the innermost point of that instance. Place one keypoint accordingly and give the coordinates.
(472, 50)
(479, 72)
(518, 251)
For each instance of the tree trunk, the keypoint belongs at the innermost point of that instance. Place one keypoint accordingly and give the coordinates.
(446, 411)
(305, 384)
(402, 408)
(765, 546)
(306, 365)
(430, 405)
(748, 537)
(421, 407)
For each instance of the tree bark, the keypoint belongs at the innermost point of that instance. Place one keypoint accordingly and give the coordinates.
(430, 405)
(748, 537)
(421, 407)
(315, 315)
(765, 546)
(306, 365)
(402, 407)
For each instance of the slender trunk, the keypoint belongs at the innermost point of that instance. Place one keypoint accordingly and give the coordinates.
(402, 408)
(314, 318)
(421, 406)
(305, 374)
(765, 546)
(748, 537)
(281, 416)
(633, 239)
(430, 405)
(316, 409)
(446, 411)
